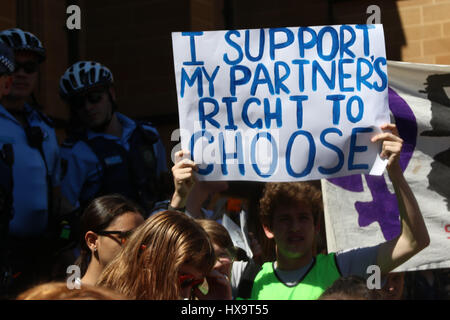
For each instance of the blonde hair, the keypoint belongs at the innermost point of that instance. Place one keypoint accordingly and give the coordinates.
(147, 267)
(60, 291)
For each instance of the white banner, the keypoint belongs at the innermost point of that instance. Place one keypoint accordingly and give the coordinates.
(420, 106)
(282, 104)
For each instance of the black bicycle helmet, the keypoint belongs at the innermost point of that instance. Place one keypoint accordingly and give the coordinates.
(82, 76)
(18, 40)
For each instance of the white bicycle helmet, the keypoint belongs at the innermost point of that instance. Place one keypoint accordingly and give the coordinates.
(18, 39)
(82, 76)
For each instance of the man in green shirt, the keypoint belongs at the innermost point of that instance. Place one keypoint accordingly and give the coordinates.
(289, 213)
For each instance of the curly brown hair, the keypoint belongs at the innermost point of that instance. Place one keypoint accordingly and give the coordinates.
(289, 193)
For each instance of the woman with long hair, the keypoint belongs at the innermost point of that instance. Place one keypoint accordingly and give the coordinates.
(166, 258)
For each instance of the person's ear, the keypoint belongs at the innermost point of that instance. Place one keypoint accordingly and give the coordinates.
(6, 87)
(269, 234)
(91, 240)
(8, 84)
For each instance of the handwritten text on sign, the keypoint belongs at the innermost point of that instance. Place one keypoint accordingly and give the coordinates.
(282, 104)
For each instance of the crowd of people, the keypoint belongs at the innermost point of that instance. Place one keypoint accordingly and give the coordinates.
(106, 201)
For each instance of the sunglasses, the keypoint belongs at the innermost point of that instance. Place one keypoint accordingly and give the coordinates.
(93, 97)
(188, 280)
(29, 67)
(122, 235)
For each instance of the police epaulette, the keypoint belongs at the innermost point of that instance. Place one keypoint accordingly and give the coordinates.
(149, 135)
(45, 118)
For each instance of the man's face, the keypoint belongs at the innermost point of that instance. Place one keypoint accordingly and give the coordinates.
(25, 77)
(5, 85)
(293, 230)
(93, 108)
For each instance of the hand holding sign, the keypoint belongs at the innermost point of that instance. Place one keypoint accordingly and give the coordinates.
(282, 104)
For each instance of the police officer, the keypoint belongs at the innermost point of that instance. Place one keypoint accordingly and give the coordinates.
(107, 152)
(6, 181)
(36, 167)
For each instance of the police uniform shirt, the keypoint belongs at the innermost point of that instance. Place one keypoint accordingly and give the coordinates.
(81, 180)
(30, 204)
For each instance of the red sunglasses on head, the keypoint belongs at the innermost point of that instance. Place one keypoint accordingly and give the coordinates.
(188, 280)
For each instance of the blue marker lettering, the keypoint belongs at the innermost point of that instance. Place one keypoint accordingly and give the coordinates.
(360, 78)
(358, 117)
(246, 75)
(336, 98)
(275, 46)
(354, 148)
(334, 43)
(274, 163)
(301, 40)
(261, 46)
(365, 28)
(345, 45)
(193, 61)
(381, 74)
(343, 75)
(301, 73)
(245, 118)
(311, 154)
(208, 117)
(299, 100)
(264, 80)
(330, 82)
(229, 103)
(338, 151)
(239, 154)
(233, 45)
(197, 135)
(210, 79)
(196, 78)
(268, 116)
(279, 80)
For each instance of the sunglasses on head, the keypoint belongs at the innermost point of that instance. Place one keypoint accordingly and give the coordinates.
(93, 97)
(29, 67)
(188, 280)
(122, 235)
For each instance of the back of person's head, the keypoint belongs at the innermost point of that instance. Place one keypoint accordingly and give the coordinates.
(97, 216)
(60, 291)
(349, 288)
(148, 266)
(393, 287)
(218, 234)
(276, 194)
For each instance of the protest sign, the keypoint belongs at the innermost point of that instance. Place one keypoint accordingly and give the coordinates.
(282, 104)
(420, 105)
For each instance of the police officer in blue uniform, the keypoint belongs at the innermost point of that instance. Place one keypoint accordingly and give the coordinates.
(36, 167)
(107, 152)
(6, 180)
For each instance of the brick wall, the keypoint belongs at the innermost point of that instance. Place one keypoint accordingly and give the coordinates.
(7, 14)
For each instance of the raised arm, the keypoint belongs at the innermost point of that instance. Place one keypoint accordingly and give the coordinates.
(183, 179)
(414, 235)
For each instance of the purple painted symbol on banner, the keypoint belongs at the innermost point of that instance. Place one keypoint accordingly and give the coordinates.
(384, 208)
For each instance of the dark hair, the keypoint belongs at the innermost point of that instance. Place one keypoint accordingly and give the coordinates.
(97, 216)
(349, 288)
